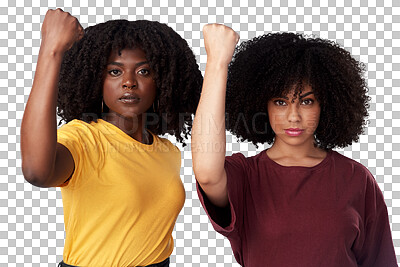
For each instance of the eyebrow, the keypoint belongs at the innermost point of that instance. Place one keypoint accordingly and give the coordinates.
(121, 64)
(302, 96)
(309, 93)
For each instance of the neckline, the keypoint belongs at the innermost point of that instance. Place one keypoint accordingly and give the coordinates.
(315, 167)
(126, 136)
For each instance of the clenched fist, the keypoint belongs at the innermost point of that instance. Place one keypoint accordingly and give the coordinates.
(60, 31)
(220, 42)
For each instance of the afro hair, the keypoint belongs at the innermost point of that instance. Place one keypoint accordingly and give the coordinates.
(176, 73)
(273, 64)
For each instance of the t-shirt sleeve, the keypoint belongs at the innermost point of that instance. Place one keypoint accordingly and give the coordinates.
(71, 137)
(228, 220)
(374, 245)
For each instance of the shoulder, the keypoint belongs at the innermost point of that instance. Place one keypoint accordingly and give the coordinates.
(349, 164)
(165, 145)
(241, 157)
(164, 149)
(238, 160)
(353, 171)
(78, 126)
(79, 131)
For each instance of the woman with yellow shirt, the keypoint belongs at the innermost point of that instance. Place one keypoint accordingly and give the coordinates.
(118, 85)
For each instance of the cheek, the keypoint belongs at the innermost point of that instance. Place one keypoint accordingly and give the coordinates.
(108, 86)
(275, 116)
(151, 89)
(109, 92)
(313, 119)
(276, 120)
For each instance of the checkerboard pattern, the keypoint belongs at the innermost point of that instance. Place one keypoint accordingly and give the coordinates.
(31, 219)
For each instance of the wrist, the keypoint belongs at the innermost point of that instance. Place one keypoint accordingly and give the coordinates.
(51, 51)
(217, 64)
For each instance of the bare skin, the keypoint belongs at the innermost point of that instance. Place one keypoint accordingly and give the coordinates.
(208, 132)
(46, 163)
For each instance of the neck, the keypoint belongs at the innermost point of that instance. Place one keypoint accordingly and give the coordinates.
(134, 126)
(283, 150)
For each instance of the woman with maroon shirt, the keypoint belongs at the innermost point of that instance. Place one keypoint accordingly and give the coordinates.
(298, 203)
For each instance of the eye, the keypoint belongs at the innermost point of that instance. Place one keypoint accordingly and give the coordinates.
(307, 102)
(144, 72)
(114, 72)
(279, 102)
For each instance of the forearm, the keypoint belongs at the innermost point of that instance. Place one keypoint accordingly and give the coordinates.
(208, 133)
(39, 124)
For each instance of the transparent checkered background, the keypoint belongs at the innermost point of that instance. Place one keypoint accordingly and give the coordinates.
(31, 219)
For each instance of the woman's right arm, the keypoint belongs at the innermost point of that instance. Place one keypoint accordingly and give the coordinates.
(46, 163)
(208, 132)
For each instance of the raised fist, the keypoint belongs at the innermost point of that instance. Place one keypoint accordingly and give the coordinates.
(60, 30)
(220, 42)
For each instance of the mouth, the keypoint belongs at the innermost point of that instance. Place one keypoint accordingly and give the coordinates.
(294, 131)
(129, 99)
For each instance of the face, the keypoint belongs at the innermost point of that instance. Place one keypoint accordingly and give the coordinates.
(129, 89)
(294, 122)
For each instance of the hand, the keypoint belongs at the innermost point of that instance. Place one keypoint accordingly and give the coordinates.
(60, 31)
(220, 42)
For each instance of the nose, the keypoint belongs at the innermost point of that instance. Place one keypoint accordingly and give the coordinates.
(294, 113)
(129, 81)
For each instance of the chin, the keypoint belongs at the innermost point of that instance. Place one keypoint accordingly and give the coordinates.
(296, 140)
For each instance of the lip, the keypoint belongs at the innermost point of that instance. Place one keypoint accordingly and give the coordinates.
(128, 98)
(294, 131)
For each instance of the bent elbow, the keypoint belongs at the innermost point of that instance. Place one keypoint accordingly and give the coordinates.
(33, 177)
(207, 177)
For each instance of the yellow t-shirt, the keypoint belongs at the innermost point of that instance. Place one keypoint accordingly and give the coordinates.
(122, 201)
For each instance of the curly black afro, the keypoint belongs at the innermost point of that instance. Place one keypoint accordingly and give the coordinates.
(176, 73)
(272, 65)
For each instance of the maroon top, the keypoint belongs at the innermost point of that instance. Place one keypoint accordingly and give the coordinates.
(332, 214)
